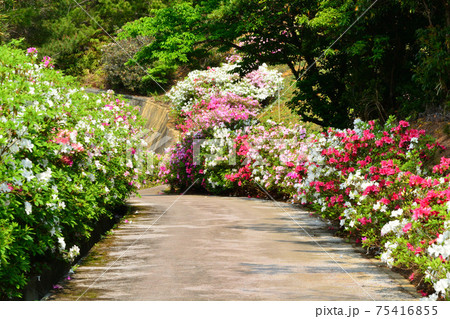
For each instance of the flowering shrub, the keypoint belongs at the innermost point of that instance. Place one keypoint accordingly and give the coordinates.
(229, 110)
(377, 182)
(210, 105)
(272, 154)
(63, 165)
(261, 85)
(200, 161)
(368, 180)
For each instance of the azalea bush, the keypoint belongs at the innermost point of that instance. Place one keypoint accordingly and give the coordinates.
(378, 182)
(271, 154)
(210, 105)
(226, 110)
(261, 85)
(206, 147)
(370, 180)
(66, 159)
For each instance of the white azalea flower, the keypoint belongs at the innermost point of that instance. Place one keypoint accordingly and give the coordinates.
(28, 208)
(432, 297)
(73, 252)
(26, 163)
(396, 213)
(17, 182)
(25, 143)
(377, 206)
(4, 188)
(442, 285)
(44, 176)
(14, 148)
(62, 244)
(28, 175)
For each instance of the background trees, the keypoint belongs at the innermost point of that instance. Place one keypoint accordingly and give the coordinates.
(180, 34)
(393, 60)
(71, 32)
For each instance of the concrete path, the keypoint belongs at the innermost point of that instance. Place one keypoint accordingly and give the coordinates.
(195, 247)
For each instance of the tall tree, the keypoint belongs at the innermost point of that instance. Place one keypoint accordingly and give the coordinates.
(362, 75)
(180, 37)
(350, 58)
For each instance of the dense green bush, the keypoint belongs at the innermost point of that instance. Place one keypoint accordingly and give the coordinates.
(66, 158)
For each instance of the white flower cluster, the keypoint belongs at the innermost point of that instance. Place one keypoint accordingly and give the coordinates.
(73, 252)
(387, 255)
(219, 149)
(51, 129)
(442, 245)
(441, 286)
(394, 226)
(397, 212)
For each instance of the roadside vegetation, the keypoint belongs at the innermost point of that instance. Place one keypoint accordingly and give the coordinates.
(62, 165)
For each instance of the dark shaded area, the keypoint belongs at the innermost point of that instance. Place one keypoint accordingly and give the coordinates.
(39, 286)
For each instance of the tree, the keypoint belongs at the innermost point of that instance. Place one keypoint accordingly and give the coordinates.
(363, 74)
(179, 38)
(432, 67)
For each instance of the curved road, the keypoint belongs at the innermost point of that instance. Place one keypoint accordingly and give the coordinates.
(196, 247)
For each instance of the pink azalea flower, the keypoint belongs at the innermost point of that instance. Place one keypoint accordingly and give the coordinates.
(407, 227)
(31, 50)
(47, 62)
(365, 220)
(67, 160)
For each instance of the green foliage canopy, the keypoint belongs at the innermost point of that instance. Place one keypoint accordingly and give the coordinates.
(179, 38)
(384, 57)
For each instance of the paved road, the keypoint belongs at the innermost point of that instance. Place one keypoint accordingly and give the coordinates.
(195, 247)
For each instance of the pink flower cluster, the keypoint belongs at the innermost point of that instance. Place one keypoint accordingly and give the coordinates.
(64, 137)
(367, 178)
(32, 50)
(223, 110)
(48, 63)
(443, 166)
